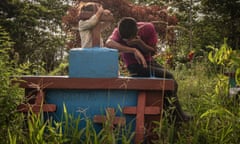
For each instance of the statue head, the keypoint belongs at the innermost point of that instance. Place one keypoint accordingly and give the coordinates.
(88, 8)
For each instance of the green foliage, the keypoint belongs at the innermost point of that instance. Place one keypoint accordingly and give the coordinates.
(35, 27)
(226, 58)
(60, 70)
(221, 56)
(10, 94)
(224, 15)
(12, 138)
(41, 131)
(203, 90)
(36, 127)
(216, 115)
(237, 77)
(71, 131)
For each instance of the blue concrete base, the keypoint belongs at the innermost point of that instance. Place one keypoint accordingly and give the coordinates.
(87, 104)
(93, 63)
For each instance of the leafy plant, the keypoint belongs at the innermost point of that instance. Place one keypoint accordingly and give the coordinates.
(222, 56)
(10, 95)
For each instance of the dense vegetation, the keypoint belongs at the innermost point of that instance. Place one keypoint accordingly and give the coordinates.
(206, 45)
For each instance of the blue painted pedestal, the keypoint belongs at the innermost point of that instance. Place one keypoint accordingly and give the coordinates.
(93, 86)
(92, 63)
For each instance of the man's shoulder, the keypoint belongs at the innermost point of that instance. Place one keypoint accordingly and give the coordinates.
(115, 35)
(145, 25)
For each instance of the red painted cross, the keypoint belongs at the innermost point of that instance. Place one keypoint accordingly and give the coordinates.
(111, 118)
(140, 111)
(38, 105)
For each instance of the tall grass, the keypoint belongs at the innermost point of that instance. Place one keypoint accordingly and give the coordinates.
(203, 92)
(216, 118)
(38, 130)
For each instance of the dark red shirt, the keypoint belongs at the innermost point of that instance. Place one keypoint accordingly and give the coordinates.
(147, 32)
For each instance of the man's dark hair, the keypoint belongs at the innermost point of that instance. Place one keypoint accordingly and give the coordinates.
(127, 27)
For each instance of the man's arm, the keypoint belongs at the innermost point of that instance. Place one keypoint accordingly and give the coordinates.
(142, 45)
(147, 38)
(138, 55)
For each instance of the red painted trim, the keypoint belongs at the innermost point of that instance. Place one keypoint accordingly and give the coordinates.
(37, 108)
(139, 137)
(97, 83)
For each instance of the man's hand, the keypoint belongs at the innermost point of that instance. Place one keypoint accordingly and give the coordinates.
(137, 54)
(135, 41)
(143, 47)
(140, 58)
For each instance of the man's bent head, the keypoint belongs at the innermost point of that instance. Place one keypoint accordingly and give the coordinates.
(127, 27)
